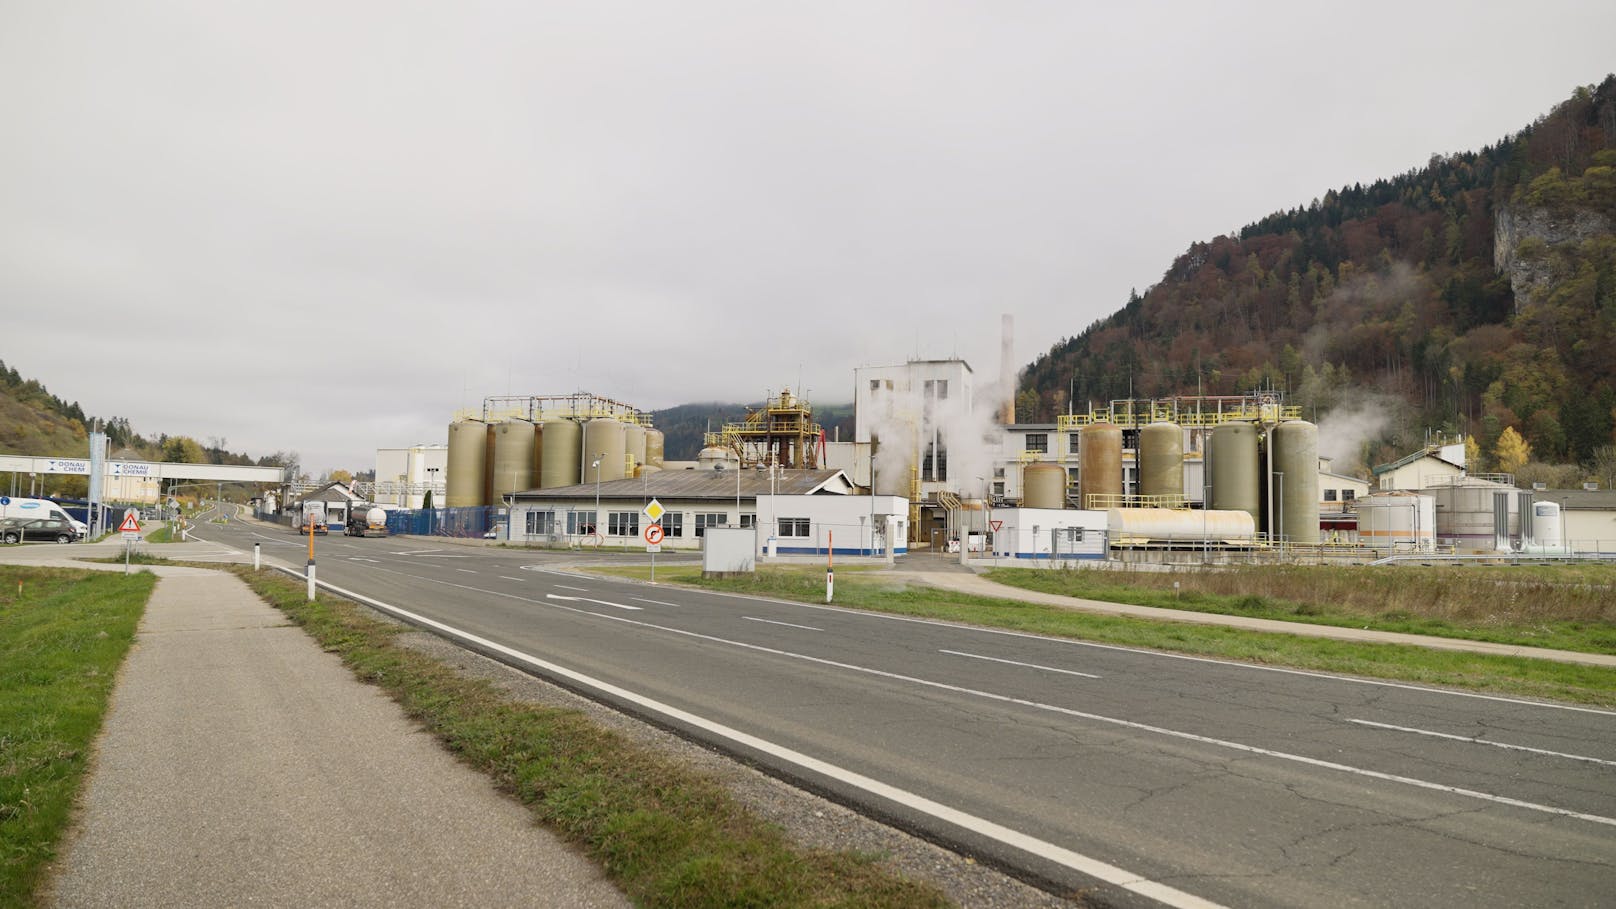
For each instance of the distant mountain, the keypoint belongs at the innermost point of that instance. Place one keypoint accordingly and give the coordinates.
(684, 427)
(1472, 294)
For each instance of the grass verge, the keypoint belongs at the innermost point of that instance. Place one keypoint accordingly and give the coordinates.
(163, 534)
(63, 634)
(667, 836)
(1572, 608)
(1518, 676)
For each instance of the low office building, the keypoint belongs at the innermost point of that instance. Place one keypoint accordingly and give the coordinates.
(611, 513)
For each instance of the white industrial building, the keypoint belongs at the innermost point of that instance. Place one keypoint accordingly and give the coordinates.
(403, 475)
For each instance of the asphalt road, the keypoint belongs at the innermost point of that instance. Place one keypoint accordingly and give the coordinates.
(1131, 775)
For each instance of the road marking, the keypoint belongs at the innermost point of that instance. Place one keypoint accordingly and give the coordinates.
(657, 602)
(1078, 862)
(466, 570)
(506, 577)
(978, 656)
(1475, 741)
(417, 551)
(359, 559)
(753, 618)
(557, 596)
(570, 587)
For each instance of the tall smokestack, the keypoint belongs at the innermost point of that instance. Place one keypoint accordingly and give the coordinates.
(1007, 369)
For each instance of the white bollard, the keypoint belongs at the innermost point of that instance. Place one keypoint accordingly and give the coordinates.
(257, 560)
(311, 579)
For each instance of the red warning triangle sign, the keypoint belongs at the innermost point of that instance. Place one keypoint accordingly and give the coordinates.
(129, 525)
(997, 525)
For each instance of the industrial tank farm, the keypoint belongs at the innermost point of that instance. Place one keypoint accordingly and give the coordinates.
(519, 443)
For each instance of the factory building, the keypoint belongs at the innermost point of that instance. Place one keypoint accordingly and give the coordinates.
(404, 475)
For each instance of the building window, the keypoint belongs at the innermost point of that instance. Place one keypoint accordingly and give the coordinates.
(1329, 495)
(748, 520)
(936, 389)
(1038, 441)
(580, 523)
(793, 527)
(998, 473)
(1072, 443)
(541, 523)
(673, 524)
(708, 519)
(875, 386)
(998, 489)
(1074, 534)
(1348, 495)
(623, 523)
(935, 465)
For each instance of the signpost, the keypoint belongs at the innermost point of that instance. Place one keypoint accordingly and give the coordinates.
(653, 532)
(130, 528)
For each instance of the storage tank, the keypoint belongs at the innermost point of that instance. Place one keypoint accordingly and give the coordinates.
(645, 470)
(513, 458)
(1296, 457)
(715, 458)
(634, 442)
(558, 455)
(1161, 460)
(468, 457)
(1397, 520)
(655, 447)
(1167, 525)
(1546, 525)
(1467, 513)
(1099, 462)
(1043, 486)
(605, 441)
(1235, 470)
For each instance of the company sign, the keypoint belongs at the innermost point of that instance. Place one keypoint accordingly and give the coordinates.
(55, 465)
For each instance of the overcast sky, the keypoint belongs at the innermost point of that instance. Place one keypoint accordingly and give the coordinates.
(327, 226)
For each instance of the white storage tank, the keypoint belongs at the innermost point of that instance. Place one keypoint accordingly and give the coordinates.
(1164, 525)
(1546, 525)
(1397, 521)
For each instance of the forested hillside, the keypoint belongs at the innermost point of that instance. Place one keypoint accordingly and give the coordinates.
(1398, 295)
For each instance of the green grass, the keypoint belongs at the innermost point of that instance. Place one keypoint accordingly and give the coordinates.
(1571, 608)
(63, 635)
(1517, 676)
(163, 534)
(667, 836)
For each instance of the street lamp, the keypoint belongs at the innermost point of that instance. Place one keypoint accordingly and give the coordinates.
(595, 525)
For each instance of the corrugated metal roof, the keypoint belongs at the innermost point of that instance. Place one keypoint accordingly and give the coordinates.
(1580, 499)
(700, 484)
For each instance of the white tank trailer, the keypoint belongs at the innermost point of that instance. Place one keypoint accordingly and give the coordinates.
(1140, 526)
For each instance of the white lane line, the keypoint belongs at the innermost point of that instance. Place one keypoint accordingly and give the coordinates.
(466, 570)
(1475, 741)
(753, 618)
(1078, 862)
(978, 656)
(570, 587)
(506, 577)
(360, 559)
(557, 596)
(655, 602)
(417, 551)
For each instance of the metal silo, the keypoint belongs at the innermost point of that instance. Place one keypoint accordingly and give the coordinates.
(1099, 463)
(1043, 486)
(513, 458)
(634, 442)
(655, 444)
(1235, 470)
(558, 460)
(1161, 460)
(1296, 486)
(468, 457)
(604, 440)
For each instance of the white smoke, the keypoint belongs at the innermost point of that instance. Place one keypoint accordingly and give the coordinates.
(905, 423)
(1346, 431)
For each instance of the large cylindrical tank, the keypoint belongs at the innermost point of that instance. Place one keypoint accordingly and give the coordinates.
(1466, 513)
(1043, 486)
(1099, 462)
(1235, 470)
(605, 444)
(634, 442)
(715, 458)
(1161, 460)
(513, 458)
(645, 470)
(1546, 525)
(468, 458)
(655, 444)
(558, 458)
(1128, 526)
(1397, 520)
(1296, 490)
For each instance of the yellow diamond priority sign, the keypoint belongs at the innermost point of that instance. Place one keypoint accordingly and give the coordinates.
(655, 511)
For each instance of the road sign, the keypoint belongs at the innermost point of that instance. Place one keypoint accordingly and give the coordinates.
(653, 534)
(5, 500)
(996, 525)
(129, 525)
(655, 511)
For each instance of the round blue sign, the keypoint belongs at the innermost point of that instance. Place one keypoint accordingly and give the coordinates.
(5, 500)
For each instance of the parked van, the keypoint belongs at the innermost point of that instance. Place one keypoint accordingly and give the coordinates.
(38, 508)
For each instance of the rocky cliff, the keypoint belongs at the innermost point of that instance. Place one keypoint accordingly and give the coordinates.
(1526, 241)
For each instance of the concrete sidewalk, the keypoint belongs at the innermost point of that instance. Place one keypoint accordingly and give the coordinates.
(241, 765)
(970, 583)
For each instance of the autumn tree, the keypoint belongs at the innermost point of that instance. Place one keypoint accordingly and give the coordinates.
(1512, 451)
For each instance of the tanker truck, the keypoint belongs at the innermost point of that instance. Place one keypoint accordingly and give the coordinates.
(311, 518)
(366, 521)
